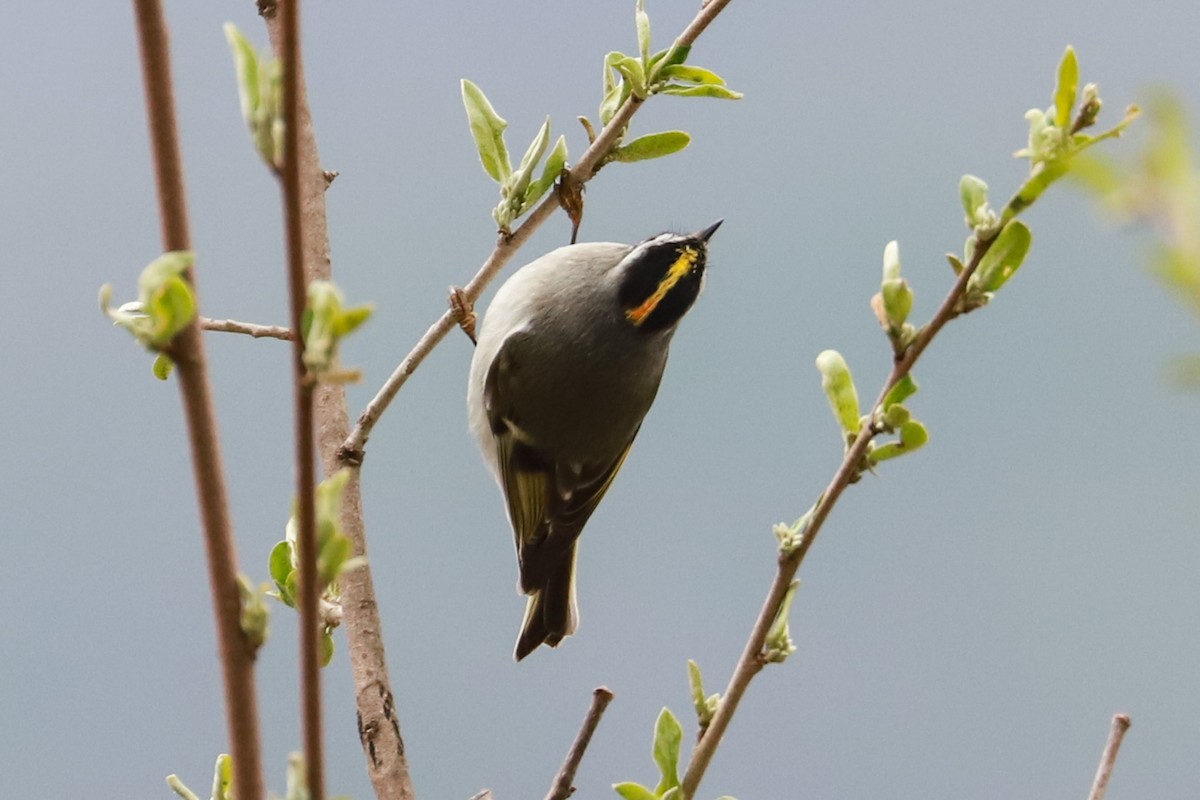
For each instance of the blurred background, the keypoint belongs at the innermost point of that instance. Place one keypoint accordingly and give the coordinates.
(969, 620)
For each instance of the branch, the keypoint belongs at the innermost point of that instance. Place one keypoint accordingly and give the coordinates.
(247, 328)
(752, 660)
(563, 787)
(378, 721)
(1120, 724)
(187, 351)
(587, 166)
(306, 538)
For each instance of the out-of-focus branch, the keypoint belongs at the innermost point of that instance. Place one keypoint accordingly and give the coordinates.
(378, 719)
(246, 328)
(302, 388)
(187, 351)
(563, 786)
(1116, 734)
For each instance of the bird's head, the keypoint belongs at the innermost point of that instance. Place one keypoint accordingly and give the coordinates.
(661, 278)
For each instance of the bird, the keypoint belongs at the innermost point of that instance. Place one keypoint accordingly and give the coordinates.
(568, 360)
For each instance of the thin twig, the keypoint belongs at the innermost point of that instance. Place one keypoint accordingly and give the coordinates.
(187, 351)
(505, 247)
(751, 661)
(378, 718)
(306, 538)
(563, 786)
(246, 328)
(1116, 734)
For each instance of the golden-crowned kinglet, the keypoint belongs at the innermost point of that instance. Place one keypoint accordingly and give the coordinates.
(569, 359)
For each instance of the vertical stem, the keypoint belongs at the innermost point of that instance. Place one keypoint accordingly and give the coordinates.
(187, 351)
(310, 667)
(1120, 724)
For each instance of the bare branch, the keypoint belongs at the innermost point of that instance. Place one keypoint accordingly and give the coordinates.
(187, 351)
(563, 786)
(247, 328)
(1120, 724)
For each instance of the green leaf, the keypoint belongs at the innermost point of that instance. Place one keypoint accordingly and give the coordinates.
(519, 182)
(956, 264)
(245, 63)
(350, 319)
(162, 366)
(1003, 258)
(1067, 89)
(973, 192)
(905, 388)
(280, 563)
(670, 794)
(631, 70)
(487, 128)
(326, 654)
(653, 145)
(634, 791)
(704, 90)
(676, 55)
(689, 74)
(913, 436)
(222, 777)
(838, 384)
(555, 162)
(667, 737)
(643, 32)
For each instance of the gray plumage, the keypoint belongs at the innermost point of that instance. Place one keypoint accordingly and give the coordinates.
(560, 381)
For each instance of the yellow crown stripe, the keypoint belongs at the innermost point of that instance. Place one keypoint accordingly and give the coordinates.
(687, 258)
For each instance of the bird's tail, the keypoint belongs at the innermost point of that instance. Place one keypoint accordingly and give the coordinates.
(551, 613)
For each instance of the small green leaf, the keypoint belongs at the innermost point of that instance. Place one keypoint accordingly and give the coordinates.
(555, 162)
(326, 653)
(667, 737)
(1067, 89)
(839, 389)
(905, 388)
(686, 73)
(632, 71)
(778, 644)
(676, 55)
(973, 192)
(162, 366)
(245, 63)
(912, 436)
(1003, 258)
(222, 777)
(653, 145)
(891, 260)
(178, 787)
(704, 90)
(634, 791)
(643, 31)
(520, 180)
(281, 563)
(955, 263)
(487, 128)
(897, 301)
(670, 794)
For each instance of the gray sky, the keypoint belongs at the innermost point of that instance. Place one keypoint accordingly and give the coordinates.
(969, 620)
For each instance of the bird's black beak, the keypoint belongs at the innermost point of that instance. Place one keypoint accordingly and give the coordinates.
(709, 231)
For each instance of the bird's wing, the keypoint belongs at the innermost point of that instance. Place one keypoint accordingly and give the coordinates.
(548, 502)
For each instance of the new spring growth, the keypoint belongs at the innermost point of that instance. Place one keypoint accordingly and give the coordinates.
(165, 305)
(705, 706)
(255, 614)
(839, 389)
(779, 645)
(335, 556)
(790, 536)
(519, 191)
(668, 736)
(974, 195)
(222, 786)
(260, 90)
(326, 321)
(893, 303)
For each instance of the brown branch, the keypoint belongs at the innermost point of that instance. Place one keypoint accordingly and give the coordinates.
(306, 537)
(506, 246)
(563, 786)
(1120, 724)
(752, 659)
(378, 719)
(187, 351)
(246, 328)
